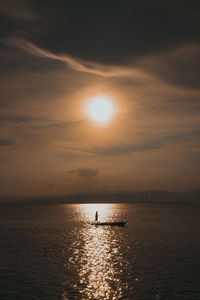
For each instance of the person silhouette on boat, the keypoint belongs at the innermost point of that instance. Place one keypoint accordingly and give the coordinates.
(96, 216)
(97, 223)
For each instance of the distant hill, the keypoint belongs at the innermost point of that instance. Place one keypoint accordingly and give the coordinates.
(122, 197)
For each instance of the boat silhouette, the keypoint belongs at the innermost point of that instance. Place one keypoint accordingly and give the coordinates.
(109, 223)
(97, 223)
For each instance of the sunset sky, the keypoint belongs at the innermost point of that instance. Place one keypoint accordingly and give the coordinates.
(58, 57)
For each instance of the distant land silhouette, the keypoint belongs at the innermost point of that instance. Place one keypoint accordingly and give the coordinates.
(113, 197)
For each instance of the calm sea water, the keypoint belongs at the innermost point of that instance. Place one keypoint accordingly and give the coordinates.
(53, 252)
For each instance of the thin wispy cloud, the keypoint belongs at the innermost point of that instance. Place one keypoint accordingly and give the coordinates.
(178, 66)
(74, 63)
(85, 172)
(173, 66)
(145, 145)
(5, 142)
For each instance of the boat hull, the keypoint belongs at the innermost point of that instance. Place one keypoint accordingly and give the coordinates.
(109, 224)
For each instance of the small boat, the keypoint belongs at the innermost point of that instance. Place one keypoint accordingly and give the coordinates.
(97, 223)
(109, 223)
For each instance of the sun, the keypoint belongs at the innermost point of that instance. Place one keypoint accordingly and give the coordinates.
(100, 109)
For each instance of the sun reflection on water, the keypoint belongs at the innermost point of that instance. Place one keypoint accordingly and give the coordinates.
(99, 260)
(104, 211)
(98, 269)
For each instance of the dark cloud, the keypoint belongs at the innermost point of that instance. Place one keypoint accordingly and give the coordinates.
(147, 145)
(15, 118)
(5, 142)
(36, 122)
(16, 9)
(52, 185)
(115, 31)
(95, 36)
(86, 172)
(119, 149)
(110, 32)
(16, 18)
(2, 158)
(180, 66)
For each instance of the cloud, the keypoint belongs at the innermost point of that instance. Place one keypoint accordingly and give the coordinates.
(16, 9)
(179, 66)
(16, 119)
(2, 158)
(76, 34)
(37, 122)
(52, 185)
(74, 63)
(147, 145)
(6, 142)
(116, 33)
(85, 172)
(119, 149)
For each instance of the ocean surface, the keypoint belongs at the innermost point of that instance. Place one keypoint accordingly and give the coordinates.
(53, 251)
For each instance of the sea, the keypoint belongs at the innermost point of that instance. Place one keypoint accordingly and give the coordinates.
(55, 251)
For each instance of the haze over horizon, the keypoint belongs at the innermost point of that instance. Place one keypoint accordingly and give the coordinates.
(57, 59)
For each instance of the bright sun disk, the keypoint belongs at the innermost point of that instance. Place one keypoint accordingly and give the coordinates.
(100, 109)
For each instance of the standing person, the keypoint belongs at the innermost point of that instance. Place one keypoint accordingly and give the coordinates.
(96, 216)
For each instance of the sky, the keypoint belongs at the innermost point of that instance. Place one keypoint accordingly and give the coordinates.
(55, 56)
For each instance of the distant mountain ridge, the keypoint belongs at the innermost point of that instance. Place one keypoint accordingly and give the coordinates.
(114, 197)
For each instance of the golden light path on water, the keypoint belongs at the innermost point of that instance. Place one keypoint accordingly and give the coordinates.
(104, 211)
(100, 261)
